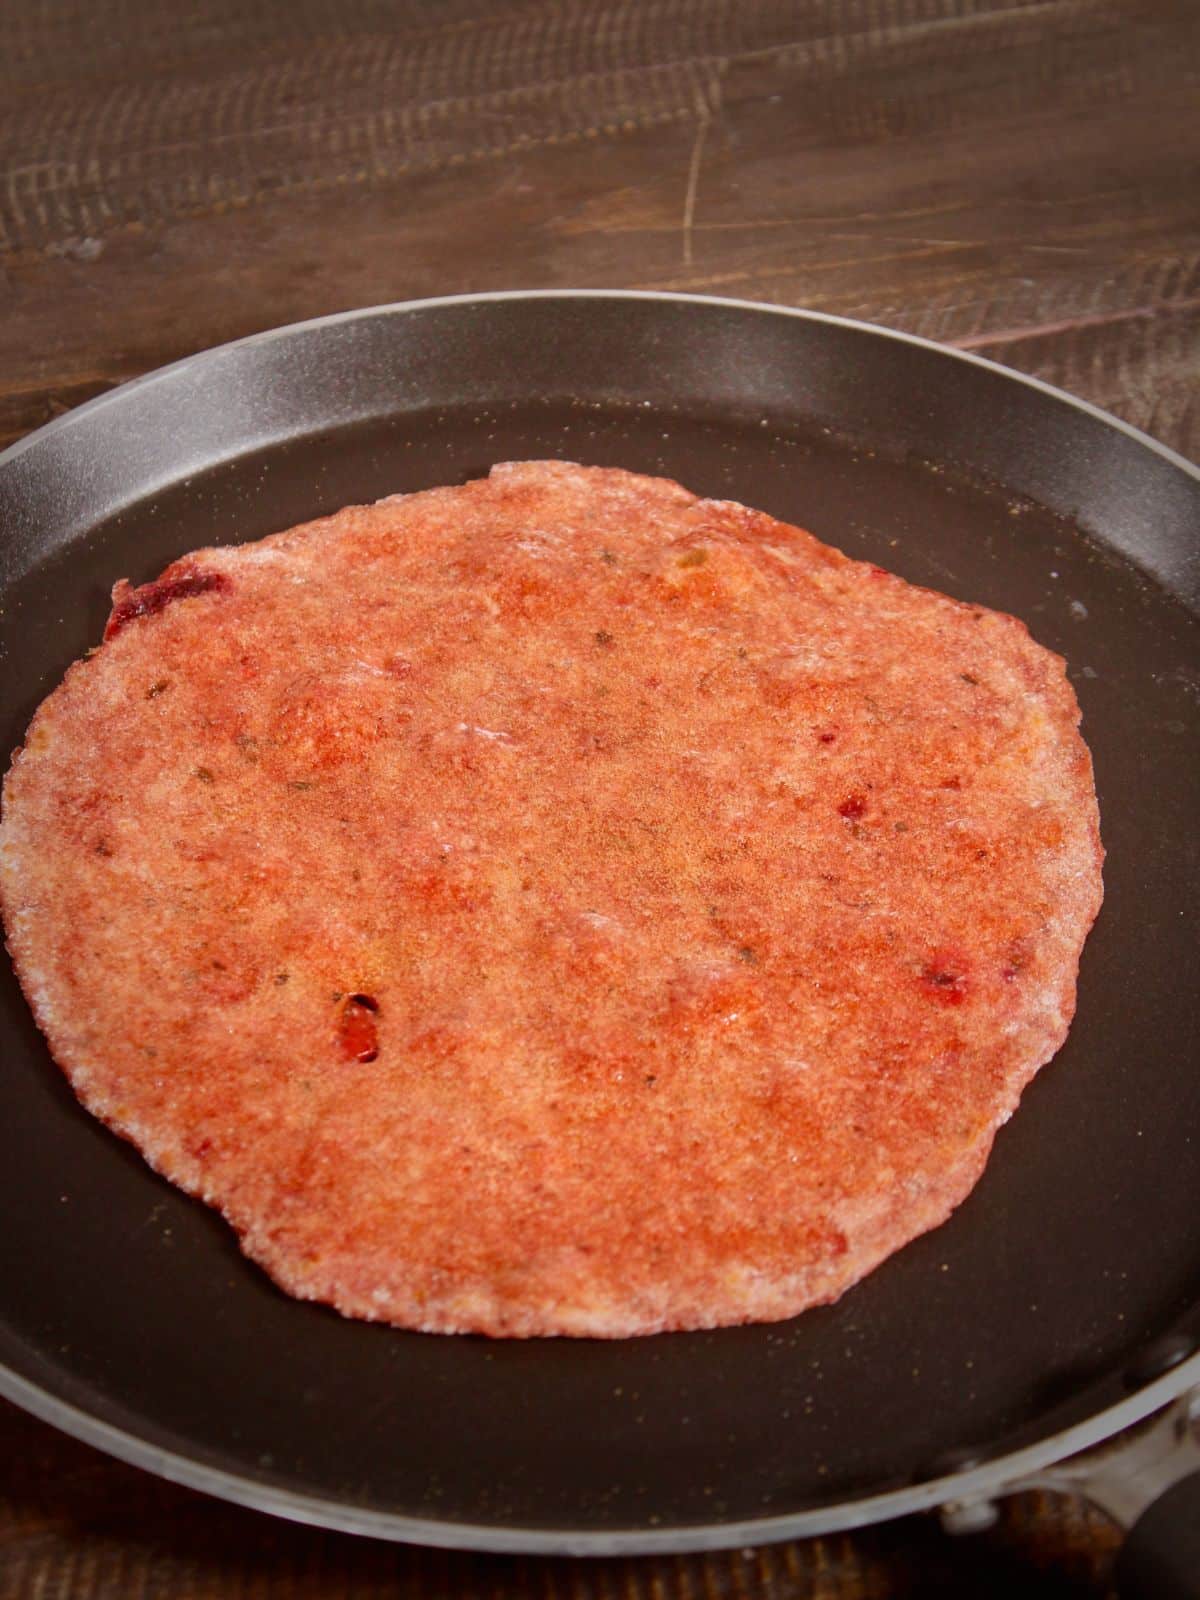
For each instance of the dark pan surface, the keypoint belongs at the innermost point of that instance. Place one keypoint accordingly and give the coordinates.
(1020, 1317)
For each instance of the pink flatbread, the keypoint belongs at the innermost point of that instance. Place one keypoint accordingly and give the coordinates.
(555, 905)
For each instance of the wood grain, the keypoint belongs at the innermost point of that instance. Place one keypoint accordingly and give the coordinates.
(1015, 177)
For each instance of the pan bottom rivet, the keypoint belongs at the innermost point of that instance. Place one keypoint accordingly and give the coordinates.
(968, 1516)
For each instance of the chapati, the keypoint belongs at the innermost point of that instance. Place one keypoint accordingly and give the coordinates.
(556, 904)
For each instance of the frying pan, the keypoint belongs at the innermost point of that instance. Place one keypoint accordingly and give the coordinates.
(1058, 1305)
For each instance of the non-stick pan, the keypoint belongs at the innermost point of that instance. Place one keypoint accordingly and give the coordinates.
(1059, 1304)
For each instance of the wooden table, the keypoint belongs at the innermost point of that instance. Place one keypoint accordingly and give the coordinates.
(1016, 177)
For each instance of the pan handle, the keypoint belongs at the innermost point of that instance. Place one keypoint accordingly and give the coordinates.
(1160, 1559)
(1148, 1481)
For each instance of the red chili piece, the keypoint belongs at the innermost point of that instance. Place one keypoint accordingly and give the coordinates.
(151, 597)
(852, 807)
(944, 984)
(357, 1033)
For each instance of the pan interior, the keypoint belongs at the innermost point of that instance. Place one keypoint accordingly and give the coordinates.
(1020, 1315)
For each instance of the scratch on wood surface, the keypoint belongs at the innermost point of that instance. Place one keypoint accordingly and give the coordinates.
(853, 236)
(707, 281)
(1094, 319)
(605, 213)
(693, 183)
(798, 271)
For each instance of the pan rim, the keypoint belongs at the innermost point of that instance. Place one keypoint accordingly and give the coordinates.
(500, 296)
(328, 1512)
(982, 1481)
